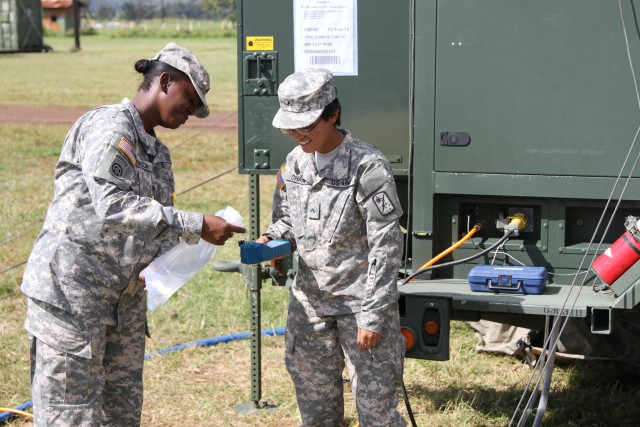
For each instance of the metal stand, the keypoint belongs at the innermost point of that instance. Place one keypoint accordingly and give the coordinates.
(254, 294)
(547, 361)
(548, 371)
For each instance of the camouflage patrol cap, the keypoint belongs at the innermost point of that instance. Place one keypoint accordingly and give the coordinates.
(185, 61)
(303, 96)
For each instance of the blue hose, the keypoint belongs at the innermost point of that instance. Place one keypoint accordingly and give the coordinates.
(6, 415)
(200, 343)
(213, 341)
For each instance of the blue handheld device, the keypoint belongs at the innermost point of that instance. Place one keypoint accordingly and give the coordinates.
(254, 253)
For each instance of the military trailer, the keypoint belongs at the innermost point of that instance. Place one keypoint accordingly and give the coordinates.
(511, 127)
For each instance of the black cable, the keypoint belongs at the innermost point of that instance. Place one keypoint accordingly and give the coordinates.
(185, 191)
(207, 180)
(11, 238)
(204, 130)
(504, 238)
(407, 404)
(12, 267)
(26, 229)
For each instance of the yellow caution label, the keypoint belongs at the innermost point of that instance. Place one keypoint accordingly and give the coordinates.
(259, 43)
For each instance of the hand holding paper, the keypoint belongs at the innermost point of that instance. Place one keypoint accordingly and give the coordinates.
(217, 230)
(167, 273)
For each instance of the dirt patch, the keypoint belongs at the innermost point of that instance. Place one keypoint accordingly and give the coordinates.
(216, 122)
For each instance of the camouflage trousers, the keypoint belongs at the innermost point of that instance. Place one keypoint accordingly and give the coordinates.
(317, 349)
(86, 376)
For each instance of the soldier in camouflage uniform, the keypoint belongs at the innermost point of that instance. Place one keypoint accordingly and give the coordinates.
(337, 203)
(112, 213)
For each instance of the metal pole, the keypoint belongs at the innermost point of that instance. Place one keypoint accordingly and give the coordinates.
(76, 23)
(254, 202)
(548, 371)
(255, 284)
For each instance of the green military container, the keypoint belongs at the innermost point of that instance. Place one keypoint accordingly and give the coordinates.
(21, 26)
(487, 110)
(266, 48)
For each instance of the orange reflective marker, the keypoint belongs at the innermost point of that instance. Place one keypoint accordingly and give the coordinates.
(408, 334)
(431, 327)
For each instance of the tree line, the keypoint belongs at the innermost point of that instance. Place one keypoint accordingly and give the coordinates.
(138, 10)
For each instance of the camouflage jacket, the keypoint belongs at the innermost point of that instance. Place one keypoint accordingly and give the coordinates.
(343, 221)
(112, 213)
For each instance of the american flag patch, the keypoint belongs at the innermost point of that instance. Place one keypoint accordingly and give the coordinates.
(127, 148)
(281, 182)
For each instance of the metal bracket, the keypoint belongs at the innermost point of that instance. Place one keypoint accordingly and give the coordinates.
(260, 73)
(454, 139)
(601, 320)
(261, 158)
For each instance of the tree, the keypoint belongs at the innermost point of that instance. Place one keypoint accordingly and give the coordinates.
(223, 9)
(138, 10)
(106, 13)
(186, 10)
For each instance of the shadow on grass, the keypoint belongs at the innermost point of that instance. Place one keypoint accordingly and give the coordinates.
(592, 393)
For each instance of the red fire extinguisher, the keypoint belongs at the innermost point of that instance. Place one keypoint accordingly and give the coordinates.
(621, 255)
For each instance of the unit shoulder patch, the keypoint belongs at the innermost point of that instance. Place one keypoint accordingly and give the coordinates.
(383, 203)
(118, 167)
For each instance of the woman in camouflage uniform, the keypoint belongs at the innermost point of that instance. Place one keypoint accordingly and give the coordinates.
(112, 213)
(337, 204)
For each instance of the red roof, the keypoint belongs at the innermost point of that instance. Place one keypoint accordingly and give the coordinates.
(56, 4)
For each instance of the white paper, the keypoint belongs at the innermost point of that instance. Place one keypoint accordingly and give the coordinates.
(326, 35)
(170, 271)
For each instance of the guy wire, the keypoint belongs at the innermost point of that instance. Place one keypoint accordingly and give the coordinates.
(556, 324)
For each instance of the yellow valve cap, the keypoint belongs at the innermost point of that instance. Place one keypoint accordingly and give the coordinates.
(519, 219)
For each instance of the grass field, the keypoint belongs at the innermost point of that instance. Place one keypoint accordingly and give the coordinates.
(102, 72)
(201, 386)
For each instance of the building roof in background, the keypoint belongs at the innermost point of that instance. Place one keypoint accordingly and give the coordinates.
(59, 4)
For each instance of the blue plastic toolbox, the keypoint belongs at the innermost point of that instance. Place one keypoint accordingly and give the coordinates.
(508, 279)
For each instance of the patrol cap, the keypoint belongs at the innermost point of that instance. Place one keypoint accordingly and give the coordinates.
(185, 61)
(303, 96)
